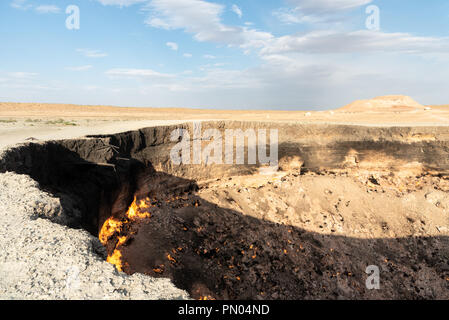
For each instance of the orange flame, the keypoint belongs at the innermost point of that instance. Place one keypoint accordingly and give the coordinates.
(134, 210)
(110, 227)
(169, 257)
(113, 226)
(116, 259)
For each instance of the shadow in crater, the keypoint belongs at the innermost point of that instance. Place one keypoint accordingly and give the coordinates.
(86, 189)
(220, 253)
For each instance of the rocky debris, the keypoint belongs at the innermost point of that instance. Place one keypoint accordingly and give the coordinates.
(338, 203)
(291, 163)
(439, 198)
(40, 259)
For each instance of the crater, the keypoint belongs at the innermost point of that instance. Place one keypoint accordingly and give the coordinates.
(342, 198)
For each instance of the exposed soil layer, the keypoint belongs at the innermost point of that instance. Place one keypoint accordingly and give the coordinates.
(345, 197)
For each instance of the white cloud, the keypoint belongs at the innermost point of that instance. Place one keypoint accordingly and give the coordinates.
(298, 70)
(80, 68)
(145, 73)
(316, 11)
(47, 9)
(42, 9)
(172, 45)
(326, 6)
(235, 8)
(303, 70)
(21, 4)
(22, 75)
(158, 23)
(311, 70)
(120, 3)
(92, 53)
(202, 19)
(292, 16)
(365, 41)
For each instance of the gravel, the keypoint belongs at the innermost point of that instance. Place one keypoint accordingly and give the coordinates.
(41, 259)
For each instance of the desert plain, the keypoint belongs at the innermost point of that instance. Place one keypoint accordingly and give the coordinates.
(19, 121)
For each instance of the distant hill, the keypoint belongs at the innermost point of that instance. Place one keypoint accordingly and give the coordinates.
(383, 104)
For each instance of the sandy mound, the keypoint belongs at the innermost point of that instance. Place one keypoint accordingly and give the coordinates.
(392, 103)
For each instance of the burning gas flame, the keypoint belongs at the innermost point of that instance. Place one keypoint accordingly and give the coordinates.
(110, 227)
(114, 226)
(116, 259)
(134, 211)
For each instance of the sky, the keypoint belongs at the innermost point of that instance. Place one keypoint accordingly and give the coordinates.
(241, 54)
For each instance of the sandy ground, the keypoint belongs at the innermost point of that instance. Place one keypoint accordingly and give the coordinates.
(19, 130)
(20, 121)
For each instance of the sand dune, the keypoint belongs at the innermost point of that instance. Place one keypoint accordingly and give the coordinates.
(390, 103)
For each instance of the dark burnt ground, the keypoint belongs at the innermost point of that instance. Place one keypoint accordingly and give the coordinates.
(219, 253)
(212, 252)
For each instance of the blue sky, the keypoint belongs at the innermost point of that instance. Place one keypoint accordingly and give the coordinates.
(248, 54)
